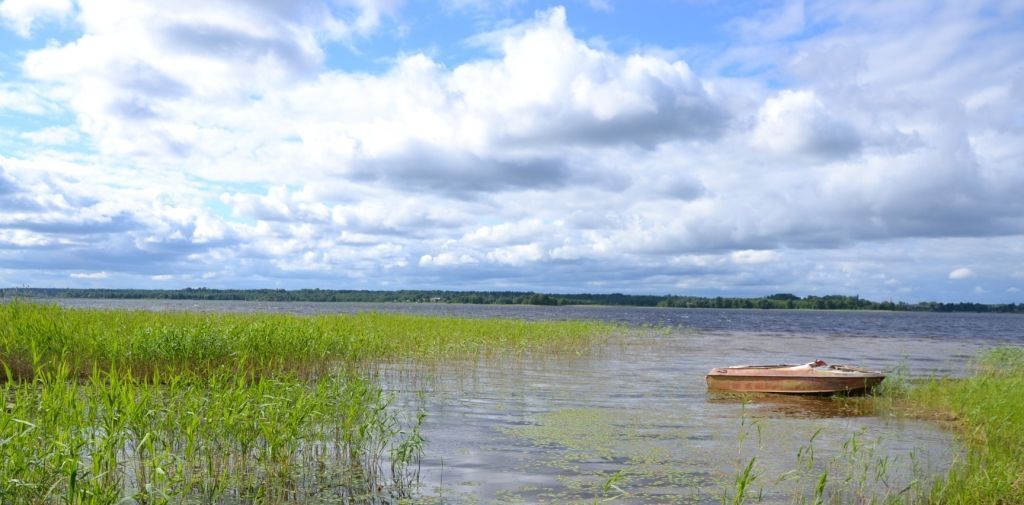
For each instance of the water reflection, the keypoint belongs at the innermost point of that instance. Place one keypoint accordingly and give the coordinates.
(553, 431)
(794, 406)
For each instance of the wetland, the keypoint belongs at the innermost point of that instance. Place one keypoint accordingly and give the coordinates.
(252, 402)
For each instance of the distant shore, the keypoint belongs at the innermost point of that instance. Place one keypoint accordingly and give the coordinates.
(779, 301)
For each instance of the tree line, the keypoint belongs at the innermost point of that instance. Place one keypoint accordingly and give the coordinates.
(775, 302)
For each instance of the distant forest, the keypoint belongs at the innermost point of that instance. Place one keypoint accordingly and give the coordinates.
(776, 301)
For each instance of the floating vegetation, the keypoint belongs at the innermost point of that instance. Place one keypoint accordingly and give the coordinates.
(774, 460)
(628, 450)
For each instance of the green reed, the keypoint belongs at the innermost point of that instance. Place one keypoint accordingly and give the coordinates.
(115, 406)
(857, 470)
(987, 410)
(146, 342)
(219, 437)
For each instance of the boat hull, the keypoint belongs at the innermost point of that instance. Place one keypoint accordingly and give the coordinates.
(817, 377)
(791, 384)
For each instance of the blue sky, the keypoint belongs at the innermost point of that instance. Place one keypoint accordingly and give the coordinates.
(707, 148)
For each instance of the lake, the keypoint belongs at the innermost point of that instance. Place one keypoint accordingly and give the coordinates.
(555, 429)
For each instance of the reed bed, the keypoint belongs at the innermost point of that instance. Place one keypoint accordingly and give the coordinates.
(113, 406)
(32, 335)
(222, 438)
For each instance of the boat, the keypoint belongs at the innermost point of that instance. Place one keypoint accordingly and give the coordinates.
(816, 377)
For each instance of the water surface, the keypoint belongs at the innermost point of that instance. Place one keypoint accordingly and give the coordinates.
(554, 429)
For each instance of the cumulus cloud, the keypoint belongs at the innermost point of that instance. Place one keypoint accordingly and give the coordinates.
(797, 122)
(446, 259)
(225, 137)
(180, 85)
(961, 273)
(550, 86)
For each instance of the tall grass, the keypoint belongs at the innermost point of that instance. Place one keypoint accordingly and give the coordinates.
(987, 410)
(33, 335)
(220, 437)
(113, 406)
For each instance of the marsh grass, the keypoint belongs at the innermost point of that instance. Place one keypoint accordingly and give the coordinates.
(987, 411)
(114, 406)
(857, 470)
(148, 343)
(214, 439)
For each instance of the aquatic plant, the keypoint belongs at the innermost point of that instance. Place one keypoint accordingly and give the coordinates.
(32, 335)
(209, 438)
(109, 406)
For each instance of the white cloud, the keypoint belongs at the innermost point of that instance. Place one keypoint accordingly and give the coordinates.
(798, 122)
(516, 255)
(774, 24)
(225, 142)
(446, 259)
(510, 233)
(961, 273)
(23, 98)
(54, 135)
(90, 275)
(22, 15)
(750, 257)
(152, 83)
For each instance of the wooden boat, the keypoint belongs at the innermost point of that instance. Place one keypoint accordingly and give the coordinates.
(812, 378)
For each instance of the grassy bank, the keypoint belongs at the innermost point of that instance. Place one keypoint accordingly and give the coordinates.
(987, 410)
(110, 406)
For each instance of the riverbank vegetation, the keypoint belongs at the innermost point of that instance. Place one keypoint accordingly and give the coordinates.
(779, 301)
(987, 411)
(114, 406)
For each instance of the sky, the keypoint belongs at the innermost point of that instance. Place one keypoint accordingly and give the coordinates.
(645, 146)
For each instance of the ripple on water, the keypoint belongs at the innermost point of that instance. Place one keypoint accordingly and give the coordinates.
(556, 430)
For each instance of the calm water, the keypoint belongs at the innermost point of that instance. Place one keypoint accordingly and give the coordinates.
(553, 430)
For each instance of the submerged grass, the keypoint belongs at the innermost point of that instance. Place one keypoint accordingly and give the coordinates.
(114, 406)
(219, 438)
(986, 410)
